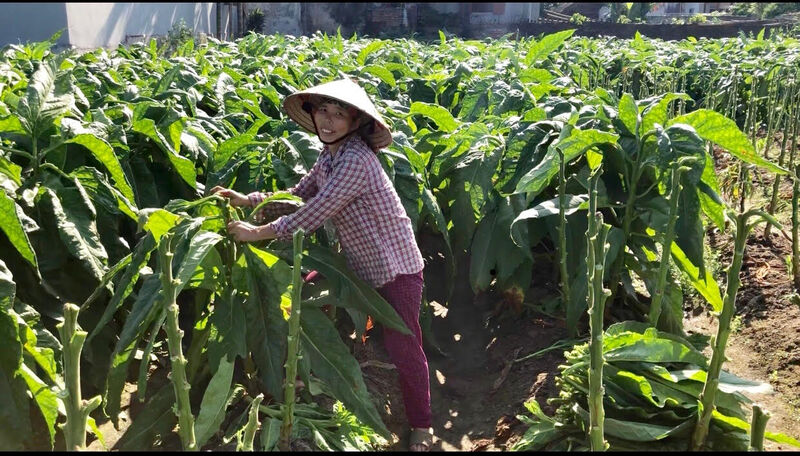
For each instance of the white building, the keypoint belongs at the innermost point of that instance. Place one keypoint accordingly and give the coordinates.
(93, 25)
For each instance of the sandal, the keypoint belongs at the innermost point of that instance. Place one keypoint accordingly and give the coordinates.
(422, 437)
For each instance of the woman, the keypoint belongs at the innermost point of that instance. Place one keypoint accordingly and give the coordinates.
(348, 186)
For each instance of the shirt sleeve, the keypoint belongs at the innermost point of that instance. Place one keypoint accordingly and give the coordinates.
(306, 188)
(347, 181)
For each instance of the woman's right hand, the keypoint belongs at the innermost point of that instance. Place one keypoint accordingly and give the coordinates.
(236, 198)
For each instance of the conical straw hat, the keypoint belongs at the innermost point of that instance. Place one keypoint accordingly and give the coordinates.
(348, 92)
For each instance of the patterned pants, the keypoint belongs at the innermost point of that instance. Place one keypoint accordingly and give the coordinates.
(404, 293)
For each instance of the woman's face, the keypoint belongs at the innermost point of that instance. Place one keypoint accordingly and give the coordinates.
(333, 121)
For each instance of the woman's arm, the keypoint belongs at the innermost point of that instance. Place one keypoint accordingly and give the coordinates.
(306, 188)
(347, 181)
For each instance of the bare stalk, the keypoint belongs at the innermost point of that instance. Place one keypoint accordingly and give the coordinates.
(758, 426)
(669, 235)
(562, 237)
(796, 229)
(293, 344)
(252, 424)
(597, 249)
(707, 397)
(174, 337)
(77, 409)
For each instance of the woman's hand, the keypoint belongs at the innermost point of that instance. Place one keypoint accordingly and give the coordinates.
(245, 232)
(237, 199)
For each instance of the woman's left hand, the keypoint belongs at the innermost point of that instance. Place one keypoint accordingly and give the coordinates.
(245, 232)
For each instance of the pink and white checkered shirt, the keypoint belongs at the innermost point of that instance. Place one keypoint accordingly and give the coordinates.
(353, 190)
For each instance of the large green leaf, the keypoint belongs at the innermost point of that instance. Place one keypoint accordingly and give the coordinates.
(11, 355)
(13, 229)
(155, 421)
(552, 207)
(231, 325)
(629, 114)
(75, 220)
(44, 397)
(715, 127)
(104, 153)
(267, 279)
(444, 120)
(183, 166)
(702, 282)
(41, 105)
(708, 192)
(215, 403)
(649, 347)
(547, 45)
(227, 148)
(573, 145)
(124, 287)
(658, 113)
(638, 432)
(360, 295)
(332, 362)
(745, 426)
(371, 47)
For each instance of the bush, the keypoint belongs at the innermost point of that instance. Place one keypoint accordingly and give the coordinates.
(697, 19)
(623, 20)
(578, 19)
(255, 20)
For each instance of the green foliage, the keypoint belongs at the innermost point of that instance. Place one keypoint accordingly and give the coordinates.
(255, 20)
(697, 19)
(652, 381)
(578, 19)
(105, 153)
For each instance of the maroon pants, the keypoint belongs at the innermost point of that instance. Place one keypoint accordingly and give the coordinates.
(404, 293)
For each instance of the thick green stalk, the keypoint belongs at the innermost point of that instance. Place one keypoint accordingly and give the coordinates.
(796, 229)
(597, 249)
(77, 409)
(293, 344)
(758, 426)
(773, 203)
(252, 424)
(666, 246)
(174, 337)
(616, 268)
(562, 237)
(708, 396)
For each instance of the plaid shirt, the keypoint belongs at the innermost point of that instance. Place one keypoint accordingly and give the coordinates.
(353, 190)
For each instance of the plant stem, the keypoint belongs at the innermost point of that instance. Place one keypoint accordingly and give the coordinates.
(707, 397)
(77, 410)
(174, 337)
(293, 344)
(773, 203)
(562, 238)
(616, 268)
(252, 424)
(758, 427)
(13, 151)
(666, 246)
(597, 295)
(796, 229)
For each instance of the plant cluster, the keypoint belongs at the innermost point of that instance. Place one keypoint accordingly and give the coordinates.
(106, 159)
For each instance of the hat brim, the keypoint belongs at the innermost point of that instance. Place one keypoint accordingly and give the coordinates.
(347, 92)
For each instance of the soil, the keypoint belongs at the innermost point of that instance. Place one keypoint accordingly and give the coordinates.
(477, 389)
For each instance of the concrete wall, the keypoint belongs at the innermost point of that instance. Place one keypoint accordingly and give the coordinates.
(663, 31)
(283, 18)
(22, 23)
(93, 25)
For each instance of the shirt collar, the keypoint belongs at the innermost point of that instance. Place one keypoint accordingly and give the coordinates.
(326, 149)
